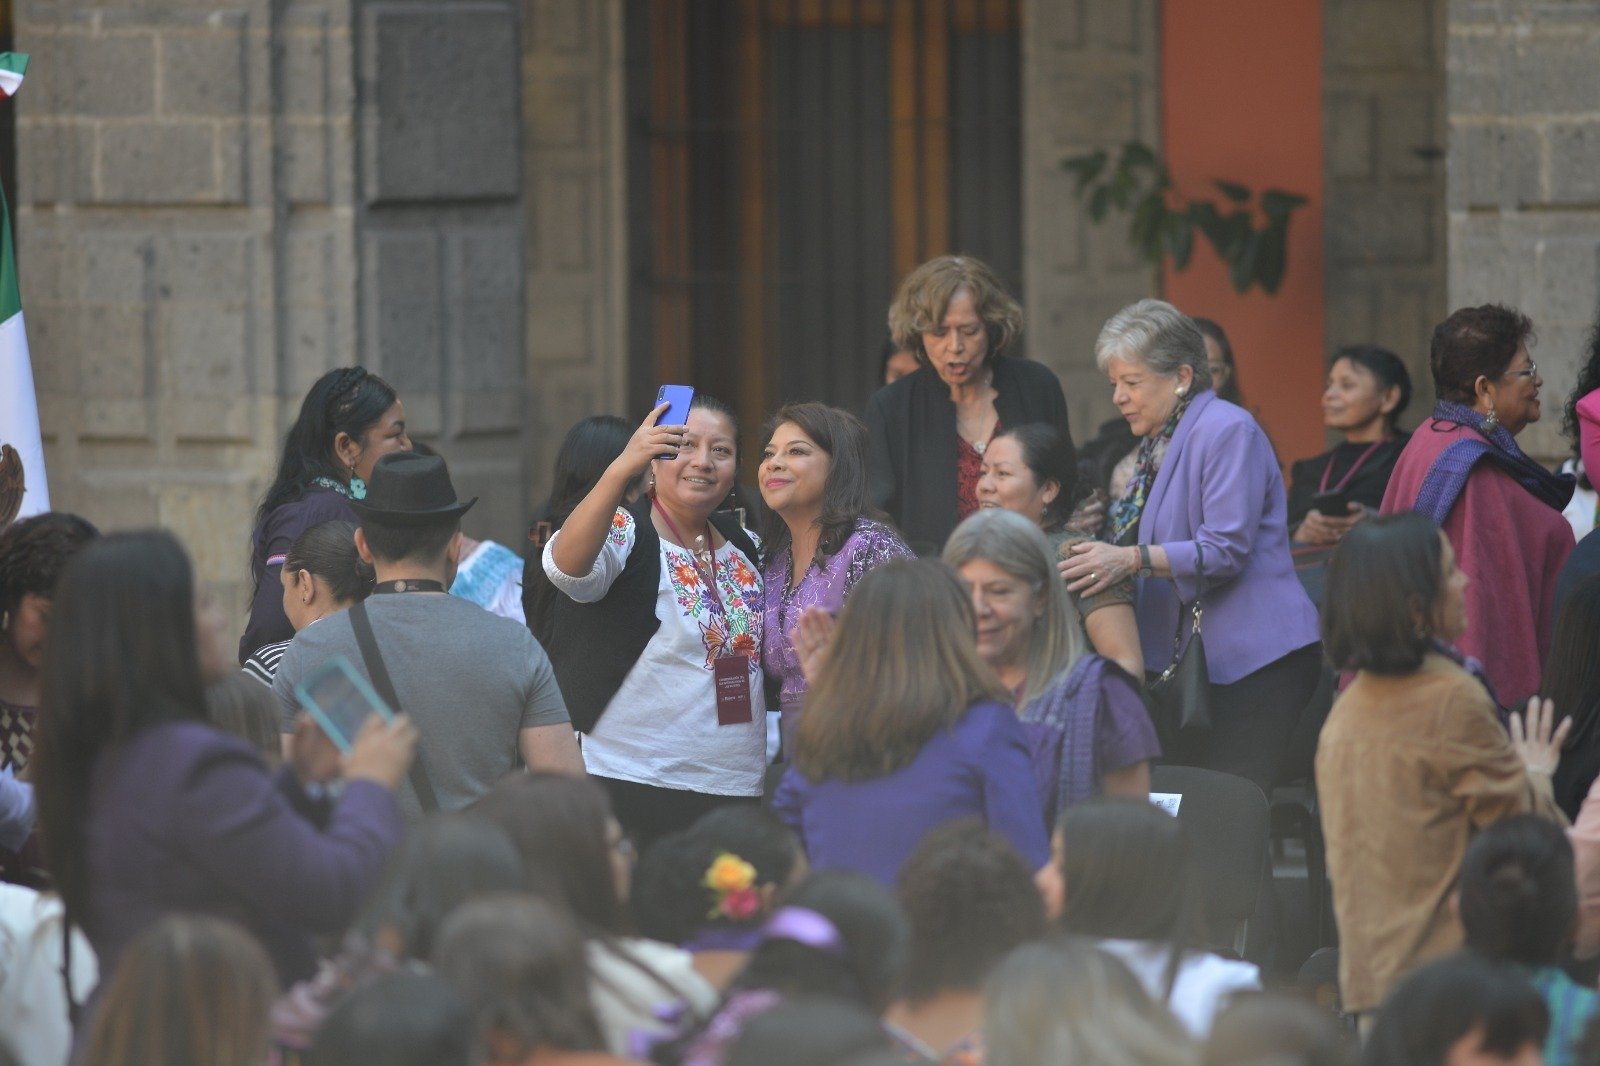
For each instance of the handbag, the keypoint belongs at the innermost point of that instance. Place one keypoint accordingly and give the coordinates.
(1180, 698)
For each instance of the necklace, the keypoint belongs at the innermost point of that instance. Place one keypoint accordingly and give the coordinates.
(703, 554)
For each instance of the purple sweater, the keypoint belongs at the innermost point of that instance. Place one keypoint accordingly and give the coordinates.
(185, 818)
(980, 768)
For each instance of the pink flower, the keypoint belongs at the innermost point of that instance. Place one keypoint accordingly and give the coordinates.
(742, 904)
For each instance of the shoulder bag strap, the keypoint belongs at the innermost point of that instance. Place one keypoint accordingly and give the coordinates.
(1194, 605)
(373, 658)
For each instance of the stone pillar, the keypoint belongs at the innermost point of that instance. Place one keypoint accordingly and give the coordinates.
(1090, 79)
(576, 230)
(219, 200)
(1524, 178)
(1384, 137)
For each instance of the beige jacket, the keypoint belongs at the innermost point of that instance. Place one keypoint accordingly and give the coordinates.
(1407, 769)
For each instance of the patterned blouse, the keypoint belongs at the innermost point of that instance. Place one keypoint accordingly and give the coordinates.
(826, 584)
(16, 735)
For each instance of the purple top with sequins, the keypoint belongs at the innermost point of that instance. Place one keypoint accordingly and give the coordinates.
(826, 584)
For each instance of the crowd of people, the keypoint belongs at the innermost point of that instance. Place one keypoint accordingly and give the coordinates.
(858, 775)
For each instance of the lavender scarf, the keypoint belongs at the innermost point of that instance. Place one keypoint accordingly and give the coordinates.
(1060, 726)
(1446, 479)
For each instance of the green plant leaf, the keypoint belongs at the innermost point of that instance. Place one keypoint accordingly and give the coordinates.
(1272, 255)
(1149, 219)
(1086, 167)
(1099, 202)
(1235, 192)
(1242, 268)
(1138, 154)
(1179, 236)
(1276, 204)
(1121, 187)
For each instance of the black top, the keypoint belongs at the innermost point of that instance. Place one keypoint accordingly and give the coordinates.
(592, 646)
(1584, 561)
(1368, 485)
(268, 543)
(912, 424)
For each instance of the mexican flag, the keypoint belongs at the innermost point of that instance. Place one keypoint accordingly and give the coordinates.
(22, 484)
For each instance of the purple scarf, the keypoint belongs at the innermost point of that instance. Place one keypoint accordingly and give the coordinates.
(1447, 477)
(1060, 726)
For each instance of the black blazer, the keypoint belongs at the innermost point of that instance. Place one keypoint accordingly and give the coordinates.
(592, 646)
(912, 425)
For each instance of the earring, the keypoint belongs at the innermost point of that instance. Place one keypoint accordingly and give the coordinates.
(1180, 390)
(5, 621)
(1491, 423)
(358, 488)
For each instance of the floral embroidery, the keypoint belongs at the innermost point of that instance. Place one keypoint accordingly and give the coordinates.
(621, 523)
(736, 628)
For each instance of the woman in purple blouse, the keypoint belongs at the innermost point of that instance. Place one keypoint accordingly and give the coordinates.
(821, 537)
(906, 728)
(1088, 730)
(147, 810)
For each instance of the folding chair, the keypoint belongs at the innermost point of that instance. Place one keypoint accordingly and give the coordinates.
(1227, 819)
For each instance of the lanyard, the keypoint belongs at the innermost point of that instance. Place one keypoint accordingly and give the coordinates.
(1327, 471)
(711, 552)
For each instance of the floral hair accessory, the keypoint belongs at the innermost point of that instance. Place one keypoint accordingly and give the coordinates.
(733, 881)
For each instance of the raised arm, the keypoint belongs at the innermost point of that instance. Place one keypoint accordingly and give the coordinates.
(584, 532)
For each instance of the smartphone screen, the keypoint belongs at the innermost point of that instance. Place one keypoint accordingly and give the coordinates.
(339, 699)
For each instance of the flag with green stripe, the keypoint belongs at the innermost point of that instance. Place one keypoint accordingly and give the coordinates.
(22, 481)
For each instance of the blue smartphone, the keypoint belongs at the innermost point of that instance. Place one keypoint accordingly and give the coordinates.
(339, 700)
(677, 398)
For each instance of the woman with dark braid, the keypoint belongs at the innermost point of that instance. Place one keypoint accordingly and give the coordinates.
(348, 420)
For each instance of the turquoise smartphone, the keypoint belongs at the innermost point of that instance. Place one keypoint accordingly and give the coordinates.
(339, 700)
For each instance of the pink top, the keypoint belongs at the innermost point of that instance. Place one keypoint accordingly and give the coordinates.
(1589, 433)
(1585, 837)
(1511, 547)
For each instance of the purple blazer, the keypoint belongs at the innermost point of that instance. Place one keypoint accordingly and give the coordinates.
(1220, 489)
(185, 818)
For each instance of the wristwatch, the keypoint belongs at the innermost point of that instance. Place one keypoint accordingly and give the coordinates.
(1145, 569)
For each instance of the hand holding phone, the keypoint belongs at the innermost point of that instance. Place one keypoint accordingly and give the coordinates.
(340, 700)
(678, 398)
(1332, 504)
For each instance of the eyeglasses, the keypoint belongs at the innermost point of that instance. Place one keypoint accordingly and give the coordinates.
(1528, 372)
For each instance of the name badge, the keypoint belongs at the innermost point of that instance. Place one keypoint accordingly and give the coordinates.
(733, 690)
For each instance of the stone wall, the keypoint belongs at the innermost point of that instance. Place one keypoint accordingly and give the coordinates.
(1090, 79)
(1384, 138)
(218, 201)
(1524, 178)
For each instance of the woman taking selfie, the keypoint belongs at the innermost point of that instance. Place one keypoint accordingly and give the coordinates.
(146, 809)
(348, 420)
(656, 638)
(820, 537)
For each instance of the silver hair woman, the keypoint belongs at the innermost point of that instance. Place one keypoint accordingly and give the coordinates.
(1088, 731)
(1067, 1001)
(1204, 519)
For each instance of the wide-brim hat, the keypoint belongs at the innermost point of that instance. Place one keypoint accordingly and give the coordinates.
(411, 489)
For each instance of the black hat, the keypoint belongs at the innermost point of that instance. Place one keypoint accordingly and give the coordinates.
(411, 489)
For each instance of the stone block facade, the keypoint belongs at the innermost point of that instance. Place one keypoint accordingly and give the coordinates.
(219, 201)
(1090, 79)
(1524, 229)
(1384, 149)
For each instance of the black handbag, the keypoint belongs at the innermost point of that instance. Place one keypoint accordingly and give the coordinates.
(1180, 698)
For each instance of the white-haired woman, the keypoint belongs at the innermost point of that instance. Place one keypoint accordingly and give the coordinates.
(1204, 517)
(1088, 730)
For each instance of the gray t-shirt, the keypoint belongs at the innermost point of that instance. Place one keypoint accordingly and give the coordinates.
(470, 680)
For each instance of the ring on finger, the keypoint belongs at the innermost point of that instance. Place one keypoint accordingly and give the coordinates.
(1094, 578)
